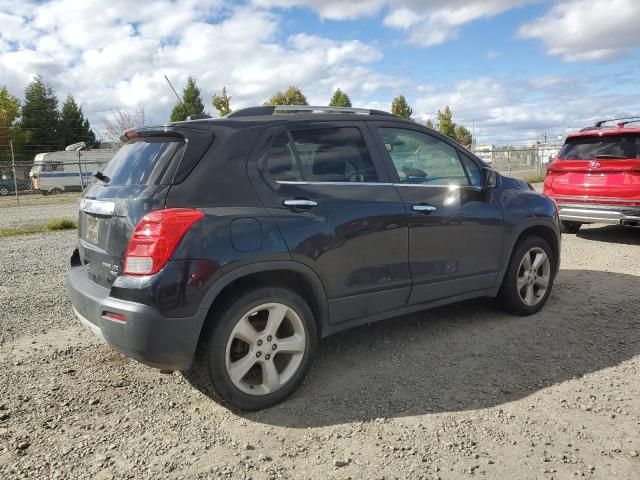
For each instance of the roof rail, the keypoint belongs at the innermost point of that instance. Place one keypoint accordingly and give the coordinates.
(289, 109)
(599, 123)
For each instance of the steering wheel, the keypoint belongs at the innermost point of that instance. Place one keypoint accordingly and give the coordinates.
(355, 173)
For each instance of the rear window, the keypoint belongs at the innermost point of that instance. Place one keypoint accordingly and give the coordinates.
(327, 155)
(604, 147)
(143, 161)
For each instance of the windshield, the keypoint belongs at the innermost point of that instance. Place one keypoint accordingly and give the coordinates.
(601, 147)
(143, 161)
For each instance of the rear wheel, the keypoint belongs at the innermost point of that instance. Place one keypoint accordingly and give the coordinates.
(529, 278)
(257, 350)
(569, 227)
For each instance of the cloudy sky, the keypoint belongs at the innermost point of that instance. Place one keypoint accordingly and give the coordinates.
(512, 68)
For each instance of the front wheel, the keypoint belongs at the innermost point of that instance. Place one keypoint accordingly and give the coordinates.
(257, 351)
(529, 278)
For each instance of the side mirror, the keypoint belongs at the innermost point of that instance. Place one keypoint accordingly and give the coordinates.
(490, 178)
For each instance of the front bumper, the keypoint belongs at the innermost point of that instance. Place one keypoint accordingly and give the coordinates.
(146, 336)
(594, 213)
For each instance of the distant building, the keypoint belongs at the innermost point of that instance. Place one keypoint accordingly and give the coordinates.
(484, 151)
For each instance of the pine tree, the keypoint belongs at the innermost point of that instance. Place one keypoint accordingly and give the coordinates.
(222, 103)
(463, 136)
(191, 100)
(40, 117)
(291, 96)
(340, 99)
(73, 127)
(400, 108)
(446, 126)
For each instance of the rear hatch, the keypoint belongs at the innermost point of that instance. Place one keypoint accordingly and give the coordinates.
(604, 166)
(135, 182)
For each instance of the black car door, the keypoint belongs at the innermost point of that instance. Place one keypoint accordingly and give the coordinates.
(455, 227)
(338, 213)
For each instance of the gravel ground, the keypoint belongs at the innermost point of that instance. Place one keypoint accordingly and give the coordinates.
(22, 216)
(457, 392)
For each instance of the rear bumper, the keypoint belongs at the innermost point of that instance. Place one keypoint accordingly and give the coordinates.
(146, 336)
(594, 213)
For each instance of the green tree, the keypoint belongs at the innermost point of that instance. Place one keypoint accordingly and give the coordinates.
(400, 108)
(290, 96)
(10, 130)
(463, 136)
(73, 127)
(446, 125)
(222, 103)
(40, 118)
(192, 102)
(340, 99)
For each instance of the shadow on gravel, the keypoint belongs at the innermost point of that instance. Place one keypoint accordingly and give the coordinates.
(467, 356)
(612, 234)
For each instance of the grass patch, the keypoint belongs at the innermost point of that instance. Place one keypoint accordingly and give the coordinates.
(535, 178)
(61, 224)
(54, 225)
(39, 199)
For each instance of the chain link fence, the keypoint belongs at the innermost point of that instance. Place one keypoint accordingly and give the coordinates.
(521, 162)
(50, 173)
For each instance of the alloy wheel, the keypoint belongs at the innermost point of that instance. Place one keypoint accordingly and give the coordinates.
(534, 275)
(265, 349)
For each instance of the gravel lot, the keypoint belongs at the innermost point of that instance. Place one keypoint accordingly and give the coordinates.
(457, 392)
(26, 215)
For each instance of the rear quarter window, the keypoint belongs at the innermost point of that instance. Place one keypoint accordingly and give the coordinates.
(143, 161)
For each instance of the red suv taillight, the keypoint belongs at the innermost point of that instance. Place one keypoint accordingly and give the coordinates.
(156, 237)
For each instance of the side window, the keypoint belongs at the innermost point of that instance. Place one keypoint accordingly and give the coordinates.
(420, 158)
(281, 161)
(322, 155)
(472, 169)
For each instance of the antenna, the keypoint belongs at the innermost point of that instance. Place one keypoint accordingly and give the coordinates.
(177, 96)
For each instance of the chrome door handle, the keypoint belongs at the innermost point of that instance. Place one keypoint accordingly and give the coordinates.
(300, 203)
(423, 208)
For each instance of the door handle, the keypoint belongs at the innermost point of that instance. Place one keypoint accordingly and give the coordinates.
(423, 208)
(300, 203)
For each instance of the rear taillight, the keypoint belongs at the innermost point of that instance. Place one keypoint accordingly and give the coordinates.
(156, 237)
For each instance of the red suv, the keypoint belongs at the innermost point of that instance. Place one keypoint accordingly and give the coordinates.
(596, 177)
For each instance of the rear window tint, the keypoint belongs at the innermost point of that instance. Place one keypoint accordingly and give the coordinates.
(143, 161)
(601, 147)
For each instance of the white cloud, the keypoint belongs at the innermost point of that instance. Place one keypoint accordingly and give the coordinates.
(515, 111)
(580, 30)
(426, 22)
(330, 9)
(119, 60)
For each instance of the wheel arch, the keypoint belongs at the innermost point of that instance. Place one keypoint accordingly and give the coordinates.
(546, 229)
(294, 275)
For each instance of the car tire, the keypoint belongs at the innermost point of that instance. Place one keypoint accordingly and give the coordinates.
(525, 288)
(569, 227)
(233, 339)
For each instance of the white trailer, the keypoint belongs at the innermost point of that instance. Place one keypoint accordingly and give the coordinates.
(57, 172)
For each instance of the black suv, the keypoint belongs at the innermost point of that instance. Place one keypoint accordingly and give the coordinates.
(226, 248)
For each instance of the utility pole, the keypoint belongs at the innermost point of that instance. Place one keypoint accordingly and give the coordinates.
(13, 169)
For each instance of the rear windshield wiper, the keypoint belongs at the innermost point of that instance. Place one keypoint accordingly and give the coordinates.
(610, 156)
(101, 176)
